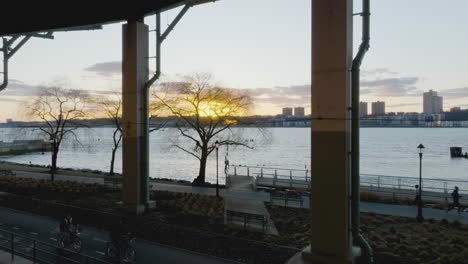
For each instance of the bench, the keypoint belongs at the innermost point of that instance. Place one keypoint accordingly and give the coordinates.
(286, 196)
(7, 173)
(247, 218)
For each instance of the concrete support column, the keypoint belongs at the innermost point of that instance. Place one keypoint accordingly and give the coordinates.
(330, 240)
(135, 117)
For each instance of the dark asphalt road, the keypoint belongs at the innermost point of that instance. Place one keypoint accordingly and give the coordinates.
(45, 229)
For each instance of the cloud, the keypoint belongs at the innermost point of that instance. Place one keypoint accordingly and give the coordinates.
(9, 100)
(404, 105)
(19, 88)
(455, 92)
(378, 71)
(282, 95)
(107, 69)
(391, 87)
(104, 92)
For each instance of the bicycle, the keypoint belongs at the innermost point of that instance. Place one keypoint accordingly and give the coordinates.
(64, 240)
(124, 252)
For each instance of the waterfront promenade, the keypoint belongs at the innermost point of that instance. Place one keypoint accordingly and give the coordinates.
(262, 196)
(244, 194)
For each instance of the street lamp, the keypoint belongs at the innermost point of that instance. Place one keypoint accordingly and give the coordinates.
(419, 201)
(217, 177)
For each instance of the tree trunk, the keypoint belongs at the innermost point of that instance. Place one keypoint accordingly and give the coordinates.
(111, 172)
(53, 169)
(200, 180)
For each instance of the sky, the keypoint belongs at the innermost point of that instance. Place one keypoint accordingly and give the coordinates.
(264, 46)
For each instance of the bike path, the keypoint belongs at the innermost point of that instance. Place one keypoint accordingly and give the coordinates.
(45, 229)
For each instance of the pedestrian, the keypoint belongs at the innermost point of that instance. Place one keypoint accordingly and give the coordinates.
(456, 200)
(417, 198)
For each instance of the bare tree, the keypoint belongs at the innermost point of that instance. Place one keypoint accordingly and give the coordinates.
(112, 110)
(61, 112)
(205, 113)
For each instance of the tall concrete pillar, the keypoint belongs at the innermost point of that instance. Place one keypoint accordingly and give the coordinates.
(330, 240)
(135, 117)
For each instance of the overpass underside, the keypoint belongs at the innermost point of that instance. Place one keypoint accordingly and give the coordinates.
(331, 239)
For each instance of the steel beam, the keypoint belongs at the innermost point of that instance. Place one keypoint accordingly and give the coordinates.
(174, 22)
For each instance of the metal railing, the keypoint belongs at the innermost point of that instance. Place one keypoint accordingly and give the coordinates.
(399, 182)
(82, 215)
(41, 252)
(273, 176)
(401, 185)
(165, 233)
(436, 188)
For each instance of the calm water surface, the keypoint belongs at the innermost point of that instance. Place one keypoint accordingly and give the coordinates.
(384, 151)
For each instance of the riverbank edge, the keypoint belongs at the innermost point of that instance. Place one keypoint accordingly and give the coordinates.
(15, 166)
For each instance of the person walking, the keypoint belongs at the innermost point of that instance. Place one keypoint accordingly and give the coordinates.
(456, 200)
(417, 198)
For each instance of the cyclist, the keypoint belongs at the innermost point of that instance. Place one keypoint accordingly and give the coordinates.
(65, 225)
(119, 235)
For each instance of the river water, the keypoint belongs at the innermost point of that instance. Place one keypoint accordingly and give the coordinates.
(384, 151)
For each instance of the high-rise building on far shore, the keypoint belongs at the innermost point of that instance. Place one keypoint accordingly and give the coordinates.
(432, 104)
(299, 111)
(363, 109)
(287, 111)
(378, 108)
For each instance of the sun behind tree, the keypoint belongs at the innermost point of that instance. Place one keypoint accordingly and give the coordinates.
(205, 113)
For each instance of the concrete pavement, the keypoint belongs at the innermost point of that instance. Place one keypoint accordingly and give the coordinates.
(5, 258)
(45, 229)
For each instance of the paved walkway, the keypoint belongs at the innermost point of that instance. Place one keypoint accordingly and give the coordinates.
(243, 184)
(244, 194)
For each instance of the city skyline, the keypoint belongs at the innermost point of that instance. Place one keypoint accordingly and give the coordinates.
(91, 60)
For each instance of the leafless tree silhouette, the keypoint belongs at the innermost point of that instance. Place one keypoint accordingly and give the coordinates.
(111, 108)
(205, 113)
(61, 112)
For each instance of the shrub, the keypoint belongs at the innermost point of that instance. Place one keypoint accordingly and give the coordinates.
(45, 189)
(456, 224)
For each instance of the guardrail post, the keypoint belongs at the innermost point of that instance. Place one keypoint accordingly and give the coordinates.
(290, 178)
(399, 183)
(34, 251)
(12, 246)
(274, 179)
(261, 172)
(235, 171)
(248, 172)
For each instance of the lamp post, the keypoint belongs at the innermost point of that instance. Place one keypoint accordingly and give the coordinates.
(217, 177)
(420, 218)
